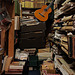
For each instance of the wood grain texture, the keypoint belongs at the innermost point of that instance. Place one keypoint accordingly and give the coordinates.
(2, 38)
(11, 40)
(11, 10)
(73, 44)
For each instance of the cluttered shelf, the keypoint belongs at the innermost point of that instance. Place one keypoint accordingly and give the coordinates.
(30, 32)
(63, 47)
(67, 12)
(66, 9)
(56, 43)
(65, 64)
(30, 8)
(28, 14)
(64, 27)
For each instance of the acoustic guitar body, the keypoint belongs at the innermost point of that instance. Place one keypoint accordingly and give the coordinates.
(41, 14)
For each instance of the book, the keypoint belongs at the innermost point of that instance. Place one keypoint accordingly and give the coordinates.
(15, 70)
(9, 59)
(5, 59)
(16, 65)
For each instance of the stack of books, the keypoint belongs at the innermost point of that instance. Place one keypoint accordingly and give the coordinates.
(16, 68)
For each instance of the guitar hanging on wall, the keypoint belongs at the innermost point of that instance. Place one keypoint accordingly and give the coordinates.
(42, 14)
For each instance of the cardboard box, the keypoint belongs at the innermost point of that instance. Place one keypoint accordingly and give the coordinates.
(48, 71)
(48, 68)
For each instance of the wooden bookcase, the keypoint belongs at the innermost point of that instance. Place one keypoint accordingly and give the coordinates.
(11, 10)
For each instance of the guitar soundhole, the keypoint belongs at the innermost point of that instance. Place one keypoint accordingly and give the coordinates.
(41, 15)
(45, 9)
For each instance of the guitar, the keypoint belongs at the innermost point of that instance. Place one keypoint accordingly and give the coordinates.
(42, 14)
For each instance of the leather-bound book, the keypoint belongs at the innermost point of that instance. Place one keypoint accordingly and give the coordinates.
(70, 46)
(73, 44)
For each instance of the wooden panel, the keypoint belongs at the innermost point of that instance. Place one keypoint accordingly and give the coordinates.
(11, 9)
(73, 44)
(2, 38)
(11, 40)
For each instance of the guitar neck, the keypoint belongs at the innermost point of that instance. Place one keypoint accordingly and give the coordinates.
(49, 5)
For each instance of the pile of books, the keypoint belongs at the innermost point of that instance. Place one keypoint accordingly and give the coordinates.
(16, 66)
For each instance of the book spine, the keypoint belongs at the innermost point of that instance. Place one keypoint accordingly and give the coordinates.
(70, 46)
(73, 44)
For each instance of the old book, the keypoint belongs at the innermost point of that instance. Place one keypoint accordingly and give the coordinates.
(64, 19)
(31, 51)
(63, 66)
(65, 24)
(66, 2)
(64, 38)
(17, 7)
(43, 50)
(9, 59)
(17, 23)
(73, 46)
(15, 70)
(56, 28)
(70, 46)
(65, 45)
(45, 55)
(5, 59)
(21, 63)
(64, 50)
(29, 4)
(13, 73)
(67, 6)
(17, 65)
(70, 23)
(67, 28)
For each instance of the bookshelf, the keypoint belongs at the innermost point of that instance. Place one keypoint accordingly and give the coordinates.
(63, 29)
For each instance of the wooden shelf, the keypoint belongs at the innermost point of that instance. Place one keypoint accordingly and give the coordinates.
(67, 12)
(30, 8)
(65, 28)
(27, 14)
(59, 44)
